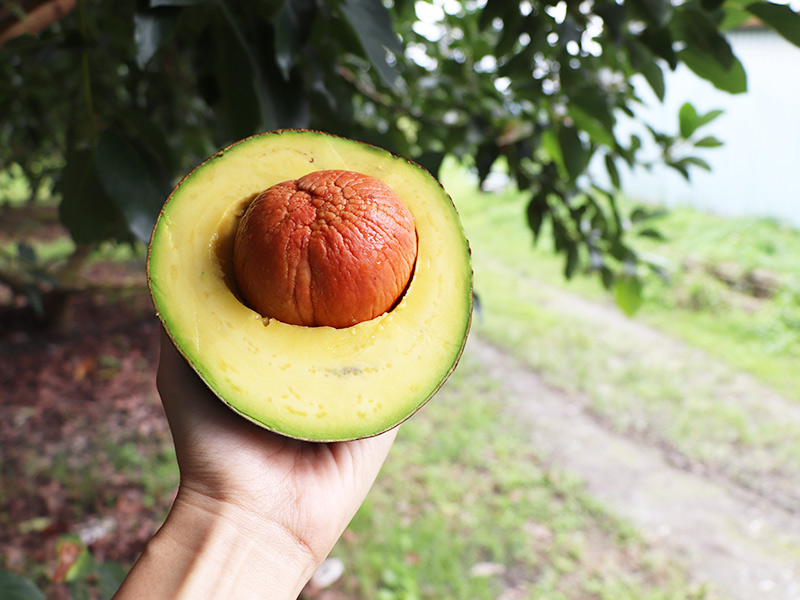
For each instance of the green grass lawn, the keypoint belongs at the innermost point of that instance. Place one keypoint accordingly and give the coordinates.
(759, 335)
(466, 508)
(690, 401)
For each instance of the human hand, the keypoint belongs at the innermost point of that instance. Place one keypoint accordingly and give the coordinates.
(265, 509)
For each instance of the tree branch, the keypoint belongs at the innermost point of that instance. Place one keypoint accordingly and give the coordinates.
(38, 15)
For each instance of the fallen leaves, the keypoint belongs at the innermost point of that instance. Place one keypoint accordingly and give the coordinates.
(70, 405)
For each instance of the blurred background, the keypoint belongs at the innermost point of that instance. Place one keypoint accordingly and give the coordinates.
(624, 421)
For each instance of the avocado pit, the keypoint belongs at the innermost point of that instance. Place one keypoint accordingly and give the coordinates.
(332, 248)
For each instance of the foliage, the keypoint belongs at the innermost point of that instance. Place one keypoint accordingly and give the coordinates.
(76, 570)
(118, 99)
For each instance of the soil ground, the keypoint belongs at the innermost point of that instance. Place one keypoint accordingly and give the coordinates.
(70, 403)
(80, 408)
(740, 533)
(741, 544)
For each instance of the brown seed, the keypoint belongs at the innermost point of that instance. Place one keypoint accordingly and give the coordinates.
(332, 248)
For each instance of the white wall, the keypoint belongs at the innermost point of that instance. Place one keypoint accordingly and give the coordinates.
(757, 172)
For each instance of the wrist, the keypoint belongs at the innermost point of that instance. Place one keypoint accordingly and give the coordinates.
(212, 549)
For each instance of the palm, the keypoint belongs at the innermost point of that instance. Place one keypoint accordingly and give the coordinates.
(311, 489)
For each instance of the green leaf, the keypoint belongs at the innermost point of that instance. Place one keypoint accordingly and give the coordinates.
(85, 208)
(372, 23)
(574, 154)
(552, 148)
(75, 563)
(536, 211)
(733, 16)
(687, 120)
(151, 30)
(709, 116)
(660, 42)
(561, 239)
(509, 35)
(594, 103)
(644, 61)
(292, 28)
(711, 5)
(607, 277)
(132, 181)
(642, 213)
(17, 587)
(780, 17)
(628, 294)
(655, 77)
(613, 16)
(657, 12)
(696, 161)
(285, 100)
(680, 169)
(613, 173)
(700, 34)
(708, 142)
(242, 106)
(652, 233)
(682, 165)
(732, 80)
(150, 135)
(485, 157)
(593, 126)
(573, 260)
(497, 10)
(690, 121)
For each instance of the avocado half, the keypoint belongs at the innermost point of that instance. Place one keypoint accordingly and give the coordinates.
(309, 383)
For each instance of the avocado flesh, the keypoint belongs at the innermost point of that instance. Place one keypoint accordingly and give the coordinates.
(312, 383)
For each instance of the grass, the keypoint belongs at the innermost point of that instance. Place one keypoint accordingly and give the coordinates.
(687, 399)
(761, 336)
(462, 511)
(693, 401)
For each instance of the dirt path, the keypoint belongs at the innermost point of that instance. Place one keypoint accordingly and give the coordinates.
(743, 543)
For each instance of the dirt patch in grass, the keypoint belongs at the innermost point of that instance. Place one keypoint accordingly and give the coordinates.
(740, 542)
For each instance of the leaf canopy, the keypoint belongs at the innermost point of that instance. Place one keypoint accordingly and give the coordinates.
(118, 100)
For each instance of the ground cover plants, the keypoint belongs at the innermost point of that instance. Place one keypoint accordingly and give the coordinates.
(695, 402)
(464, 511)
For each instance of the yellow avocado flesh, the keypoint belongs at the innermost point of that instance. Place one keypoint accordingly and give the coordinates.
(312, 383)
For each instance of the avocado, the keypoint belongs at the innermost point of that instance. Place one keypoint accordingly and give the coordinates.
(315, 382)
